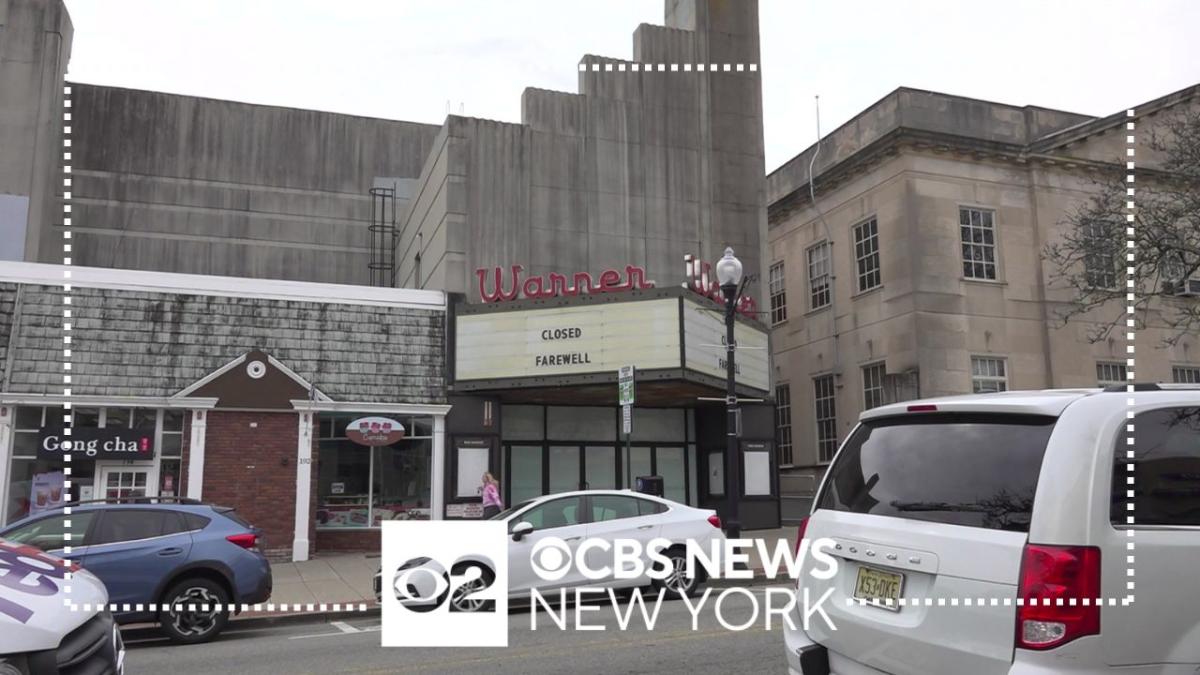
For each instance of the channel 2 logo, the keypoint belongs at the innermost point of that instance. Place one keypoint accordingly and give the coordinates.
(445, 584)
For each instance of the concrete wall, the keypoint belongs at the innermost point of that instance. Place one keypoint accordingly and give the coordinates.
(183, 184)
(637, 168)
(35, 44)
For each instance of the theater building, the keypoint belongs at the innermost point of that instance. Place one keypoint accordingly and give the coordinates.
(251, 280)
(534, 385)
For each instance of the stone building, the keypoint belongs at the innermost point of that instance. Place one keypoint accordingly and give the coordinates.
(919, 269)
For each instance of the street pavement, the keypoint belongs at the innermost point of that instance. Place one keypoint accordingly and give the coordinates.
(352, 645)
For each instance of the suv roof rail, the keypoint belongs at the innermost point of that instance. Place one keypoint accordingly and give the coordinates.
(1154, 386)
(138, 500)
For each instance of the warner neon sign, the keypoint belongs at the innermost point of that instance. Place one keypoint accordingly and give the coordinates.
(699, 278)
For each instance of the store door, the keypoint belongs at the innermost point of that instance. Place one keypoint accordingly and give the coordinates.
(122, 481)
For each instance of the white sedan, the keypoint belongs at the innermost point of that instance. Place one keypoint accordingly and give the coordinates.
(577, 517)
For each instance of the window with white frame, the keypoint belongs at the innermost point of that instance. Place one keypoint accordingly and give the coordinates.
(978, 230)
(1100, 242)
(783, 423)
(1185, 374)
(778, 293)
(825, 406)
(988, 374)
(818, 276)
(872, 377)
(866, 255)
(1110, 373)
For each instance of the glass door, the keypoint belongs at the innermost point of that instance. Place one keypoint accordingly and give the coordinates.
(524, 472)
(564, 468)
(122, 482)
(599, 467)
(669, 463)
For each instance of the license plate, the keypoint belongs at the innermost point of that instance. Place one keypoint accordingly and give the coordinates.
(878, 587)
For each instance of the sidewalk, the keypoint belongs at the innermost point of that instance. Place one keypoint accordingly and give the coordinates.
(345, 578)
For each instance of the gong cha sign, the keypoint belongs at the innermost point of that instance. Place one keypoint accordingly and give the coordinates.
(375, 431)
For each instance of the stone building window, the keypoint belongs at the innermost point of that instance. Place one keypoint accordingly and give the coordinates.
(988, 374)
(1111, 373)
(825, 407)
(778, 293)
(866, 254)
(1101, 244)
(978, 230)
(1185, 374)
(872, 376)
(783, 423)
(818, 276)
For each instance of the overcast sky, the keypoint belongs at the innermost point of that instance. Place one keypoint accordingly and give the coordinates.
(412, 59)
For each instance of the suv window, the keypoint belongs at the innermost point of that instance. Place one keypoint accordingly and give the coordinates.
(972, 469)
(613, 507)
(1166, 485)
(555, 513)
(131, 524)
(47, 533)
(192, 521)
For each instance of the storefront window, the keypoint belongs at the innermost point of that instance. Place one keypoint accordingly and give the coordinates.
(360, 486)
(32, 478)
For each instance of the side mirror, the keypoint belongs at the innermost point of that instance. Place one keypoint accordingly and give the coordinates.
(521, 529)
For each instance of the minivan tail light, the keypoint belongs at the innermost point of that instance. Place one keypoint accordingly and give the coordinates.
(1059, 595)
(246, 541)
(800, 533)
(715, 521)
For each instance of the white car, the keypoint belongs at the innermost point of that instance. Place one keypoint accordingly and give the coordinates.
(39, 631)
(992, 534)
(573, 517)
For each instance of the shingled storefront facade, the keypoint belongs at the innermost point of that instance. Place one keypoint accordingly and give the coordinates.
(237, 392)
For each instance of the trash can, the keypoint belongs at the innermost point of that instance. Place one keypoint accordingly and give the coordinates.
(651, 485)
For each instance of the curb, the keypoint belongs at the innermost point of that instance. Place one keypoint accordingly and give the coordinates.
(252, 617)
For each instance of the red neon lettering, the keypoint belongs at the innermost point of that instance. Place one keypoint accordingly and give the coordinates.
(498, 294)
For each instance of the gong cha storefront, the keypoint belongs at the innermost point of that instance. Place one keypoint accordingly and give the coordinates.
(535, 394)
(317, 411)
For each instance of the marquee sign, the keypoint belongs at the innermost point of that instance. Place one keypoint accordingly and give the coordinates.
(586, 339)
(698, 278)
(567, 340)
(106, 443)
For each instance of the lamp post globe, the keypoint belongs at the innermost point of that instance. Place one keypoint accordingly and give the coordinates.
(729, 269)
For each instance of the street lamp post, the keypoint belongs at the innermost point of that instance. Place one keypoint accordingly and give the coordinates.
(729, 275)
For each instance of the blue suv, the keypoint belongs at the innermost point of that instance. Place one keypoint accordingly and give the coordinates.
(180, 563)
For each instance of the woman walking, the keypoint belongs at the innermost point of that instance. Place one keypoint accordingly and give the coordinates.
(491, 496)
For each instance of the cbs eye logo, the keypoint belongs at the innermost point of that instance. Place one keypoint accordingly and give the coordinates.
(425, 585)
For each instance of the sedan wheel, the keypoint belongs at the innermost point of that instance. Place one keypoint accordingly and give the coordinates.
(678, 581)
(465, 600)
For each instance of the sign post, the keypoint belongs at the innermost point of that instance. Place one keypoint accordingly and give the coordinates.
(625, 394)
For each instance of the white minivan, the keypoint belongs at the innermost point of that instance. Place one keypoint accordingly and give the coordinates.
(1017, 533)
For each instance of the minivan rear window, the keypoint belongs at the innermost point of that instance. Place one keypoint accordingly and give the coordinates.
(972, 469)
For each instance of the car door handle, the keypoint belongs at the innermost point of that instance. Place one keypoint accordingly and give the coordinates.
(174, 550)
(572, 538)
(645, 527)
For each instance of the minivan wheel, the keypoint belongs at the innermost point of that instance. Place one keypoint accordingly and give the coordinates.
(677, 582)
(194, 611)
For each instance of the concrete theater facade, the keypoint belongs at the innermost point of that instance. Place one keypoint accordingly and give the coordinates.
(602, 201)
